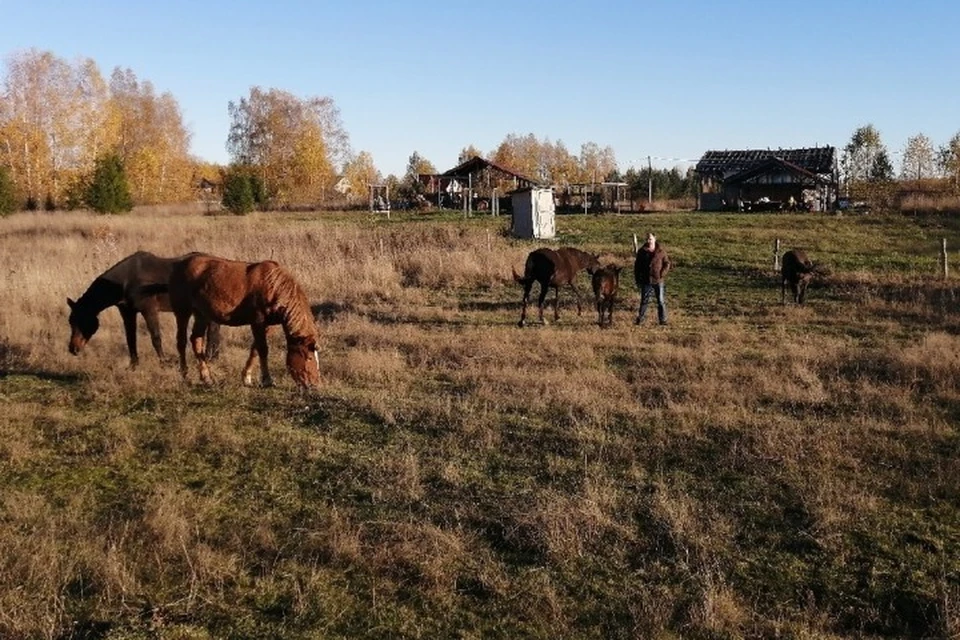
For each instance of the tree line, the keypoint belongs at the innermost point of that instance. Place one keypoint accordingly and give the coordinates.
(868, 171)
(70, 137)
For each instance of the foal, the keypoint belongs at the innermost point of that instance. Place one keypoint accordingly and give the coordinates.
(606, 282)
(797, 271)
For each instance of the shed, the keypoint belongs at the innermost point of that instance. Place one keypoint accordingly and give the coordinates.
(764, 179)
(533, 213)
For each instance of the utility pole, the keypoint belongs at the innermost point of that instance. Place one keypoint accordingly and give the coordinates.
(649, 181)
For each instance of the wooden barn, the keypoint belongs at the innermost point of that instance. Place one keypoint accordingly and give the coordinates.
(475, 184)
(768, 180)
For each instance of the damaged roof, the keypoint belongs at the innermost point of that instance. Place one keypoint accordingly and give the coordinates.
(816, 160)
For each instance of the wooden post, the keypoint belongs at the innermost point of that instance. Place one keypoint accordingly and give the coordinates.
(943, 257)
(636, 245)
(776, 256)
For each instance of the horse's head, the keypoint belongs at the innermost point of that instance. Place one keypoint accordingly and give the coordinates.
(592, 262)
(303, 361)
(83, 325)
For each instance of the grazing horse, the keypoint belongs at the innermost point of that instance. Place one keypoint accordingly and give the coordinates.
(553, 268)
(606, 282)
(233, 293)
(136, 284)
(797, 271)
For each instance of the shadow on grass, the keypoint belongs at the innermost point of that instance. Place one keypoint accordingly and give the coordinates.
(327, 311)
(14, 362)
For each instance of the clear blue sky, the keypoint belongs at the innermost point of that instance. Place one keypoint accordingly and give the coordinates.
(665, 79)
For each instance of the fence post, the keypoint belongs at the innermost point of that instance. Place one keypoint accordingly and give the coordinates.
(943, 257)
(776, 256)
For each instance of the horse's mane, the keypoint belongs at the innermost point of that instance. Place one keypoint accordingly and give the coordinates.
(290, 300)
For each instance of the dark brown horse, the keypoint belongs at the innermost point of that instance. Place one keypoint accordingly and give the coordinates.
(606, 282)
(259, 294)
(553, 268)
(796, 270)
(136, 284)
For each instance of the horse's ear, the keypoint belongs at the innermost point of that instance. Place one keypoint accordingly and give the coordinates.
(71, 303)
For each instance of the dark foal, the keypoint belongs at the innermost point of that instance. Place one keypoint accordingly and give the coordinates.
(797, 271)
(553, 268)
(606, 282)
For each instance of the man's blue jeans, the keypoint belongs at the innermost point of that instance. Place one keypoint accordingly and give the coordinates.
(648, 290)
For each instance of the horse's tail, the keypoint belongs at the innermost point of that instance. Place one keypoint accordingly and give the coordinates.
(524, 280)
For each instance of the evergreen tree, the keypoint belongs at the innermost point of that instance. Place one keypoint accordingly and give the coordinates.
(8, 195)
(881, 170)
(238, 193)
(108, 191)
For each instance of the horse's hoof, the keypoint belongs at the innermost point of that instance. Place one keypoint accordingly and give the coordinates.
(249, 382)
(266, 383)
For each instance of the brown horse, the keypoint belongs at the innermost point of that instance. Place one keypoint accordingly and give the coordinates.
(796, 270)
(553, 268)
(233, 293)
(136, 284)
(606, 282)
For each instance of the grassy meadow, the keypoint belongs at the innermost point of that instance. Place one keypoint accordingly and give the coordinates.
(752, 470)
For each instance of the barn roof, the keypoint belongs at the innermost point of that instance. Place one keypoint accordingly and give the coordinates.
(476, 163)
(775, 164)
(816, 160)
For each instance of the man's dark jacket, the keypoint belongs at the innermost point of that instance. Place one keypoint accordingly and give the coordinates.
(651, 266)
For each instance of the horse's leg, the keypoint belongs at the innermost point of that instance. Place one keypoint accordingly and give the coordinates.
(576, 292)
(248, 367)
(129, 315)
(258, 350)
(544, 288)
(197, 342)
(600, 311)
(182, 320)
(526, 299)
(152, 319)
(213, 341)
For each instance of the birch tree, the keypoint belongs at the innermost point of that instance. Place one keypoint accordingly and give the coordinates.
(293, 143)
(919, 159)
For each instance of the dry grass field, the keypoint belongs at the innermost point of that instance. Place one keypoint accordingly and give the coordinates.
(751, 470)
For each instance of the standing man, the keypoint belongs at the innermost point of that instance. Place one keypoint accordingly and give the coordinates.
(649, 271)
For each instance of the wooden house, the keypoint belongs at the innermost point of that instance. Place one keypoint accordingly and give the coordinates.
(768, 180)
